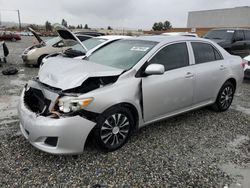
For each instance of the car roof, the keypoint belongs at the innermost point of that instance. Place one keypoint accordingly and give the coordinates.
(168, 39)
(114, 37)
(218, 29)
(179, 33)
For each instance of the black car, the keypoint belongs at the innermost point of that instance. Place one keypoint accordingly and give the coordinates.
(235, 41)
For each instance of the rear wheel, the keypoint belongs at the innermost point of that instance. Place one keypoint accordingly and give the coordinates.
(224, 98)
(13, 40)
(113, 128)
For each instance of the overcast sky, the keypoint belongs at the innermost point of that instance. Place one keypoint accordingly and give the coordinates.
(134, 14)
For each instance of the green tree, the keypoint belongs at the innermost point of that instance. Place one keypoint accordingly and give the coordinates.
(167, 25)
(64, 23)
(159, 26)
(86, 26)
(48, 26)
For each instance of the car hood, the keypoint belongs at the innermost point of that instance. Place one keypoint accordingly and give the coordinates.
(36, 35)
(65, 73)
(67, 35)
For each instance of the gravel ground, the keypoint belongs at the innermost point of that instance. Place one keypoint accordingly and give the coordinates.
(198, 149)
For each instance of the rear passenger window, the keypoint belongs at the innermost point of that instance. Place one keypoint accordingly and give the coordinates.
(205, 53)
(172, 57)
(247, 34)
(239, 35)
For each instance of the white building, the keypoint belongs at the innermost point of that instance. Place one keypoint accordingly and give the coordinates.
(230, 17)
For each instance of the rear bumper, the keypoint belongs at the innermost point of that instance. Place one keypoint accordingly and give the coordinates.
(71, 132)
(247, 72)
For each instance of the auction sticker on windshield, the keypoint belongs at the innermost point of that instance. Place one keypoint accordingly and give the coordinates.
(141, 49)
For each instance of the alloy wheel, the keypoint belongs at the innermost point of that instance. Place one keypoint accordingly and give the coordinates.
(226, 97)
(115, 130)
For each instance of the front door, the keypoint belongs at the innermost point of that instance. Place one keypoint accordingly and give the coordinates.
(172, 91)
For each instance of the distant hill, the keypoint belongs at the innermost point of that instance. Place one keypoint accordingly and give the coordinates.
(12, 24)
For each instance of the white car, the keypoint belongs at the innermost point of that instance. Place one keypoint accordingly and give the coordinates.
(85, 48)
(186, 34)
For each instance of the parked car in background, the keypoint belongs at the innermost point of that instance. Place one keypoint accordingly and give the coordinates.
(85, 48)
(26, 33)
(124, 86)
(187, 34)
(34, 54)
(235, 41)
(6, 35)
(247, 67)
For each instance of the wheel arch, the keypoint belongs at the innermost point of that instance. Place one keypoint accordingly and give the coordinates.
(39, 59)
(131, 108)
(233, 81)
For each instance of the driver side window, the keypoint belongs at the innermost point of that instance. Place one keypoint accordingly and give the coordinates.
(172, 56)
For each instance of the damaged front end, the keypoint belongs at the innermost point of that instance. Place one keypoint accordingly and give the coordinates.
(46, 123)
(56, 120)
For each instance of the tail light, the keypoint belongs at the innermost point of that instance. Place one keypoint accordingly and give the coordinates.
(244, 64)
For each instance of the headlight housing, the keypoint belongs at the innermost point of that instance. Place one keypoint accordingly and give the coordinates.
(72, 104)
(31, 51)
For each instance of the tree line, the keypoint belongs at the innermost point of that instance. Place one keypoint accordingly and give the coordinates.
(161, 26)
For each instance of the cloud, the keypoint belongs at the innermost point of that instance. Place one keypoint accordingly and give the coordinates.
(138, 14)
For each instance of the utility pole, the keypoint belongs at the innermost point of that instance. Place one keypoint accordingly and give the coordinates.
(19, 20)
(18, 14)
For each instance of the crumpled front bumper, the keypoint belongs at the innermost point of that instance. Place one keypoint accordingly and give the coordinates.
(72, 132)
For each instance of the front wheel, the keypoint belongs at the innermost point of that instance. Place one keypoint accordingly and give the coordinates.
(225, 97)
(113, 128)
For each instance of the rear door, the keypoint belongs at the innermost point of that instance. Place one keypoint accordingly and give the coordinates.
(239, 44)
(172, 91)
(209, 71)
(247, 43)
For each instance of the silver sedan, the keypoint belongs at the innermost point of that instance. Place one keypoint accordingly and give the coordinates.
(122, 87)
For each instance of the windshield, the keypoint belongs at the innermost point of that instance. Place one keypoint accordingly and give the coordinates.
(122, 54)
(53, 41)
(220, 34)
(93, 42)
(89, 44)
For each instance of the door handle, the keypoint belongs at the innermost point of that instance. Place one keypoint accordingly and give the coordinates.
(189, 75)
(222, 67)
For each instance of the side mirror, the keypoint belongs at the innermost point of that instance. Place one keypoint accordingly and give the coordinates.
(155, 69)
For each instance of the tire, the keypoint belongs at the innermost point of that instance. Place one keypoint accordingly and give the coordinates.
(39, 61)
(13, 40)
(113, 128)
(224, 98)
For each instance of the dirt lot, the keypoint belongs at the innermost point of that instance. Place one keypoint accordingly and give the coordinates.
(197, 149)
